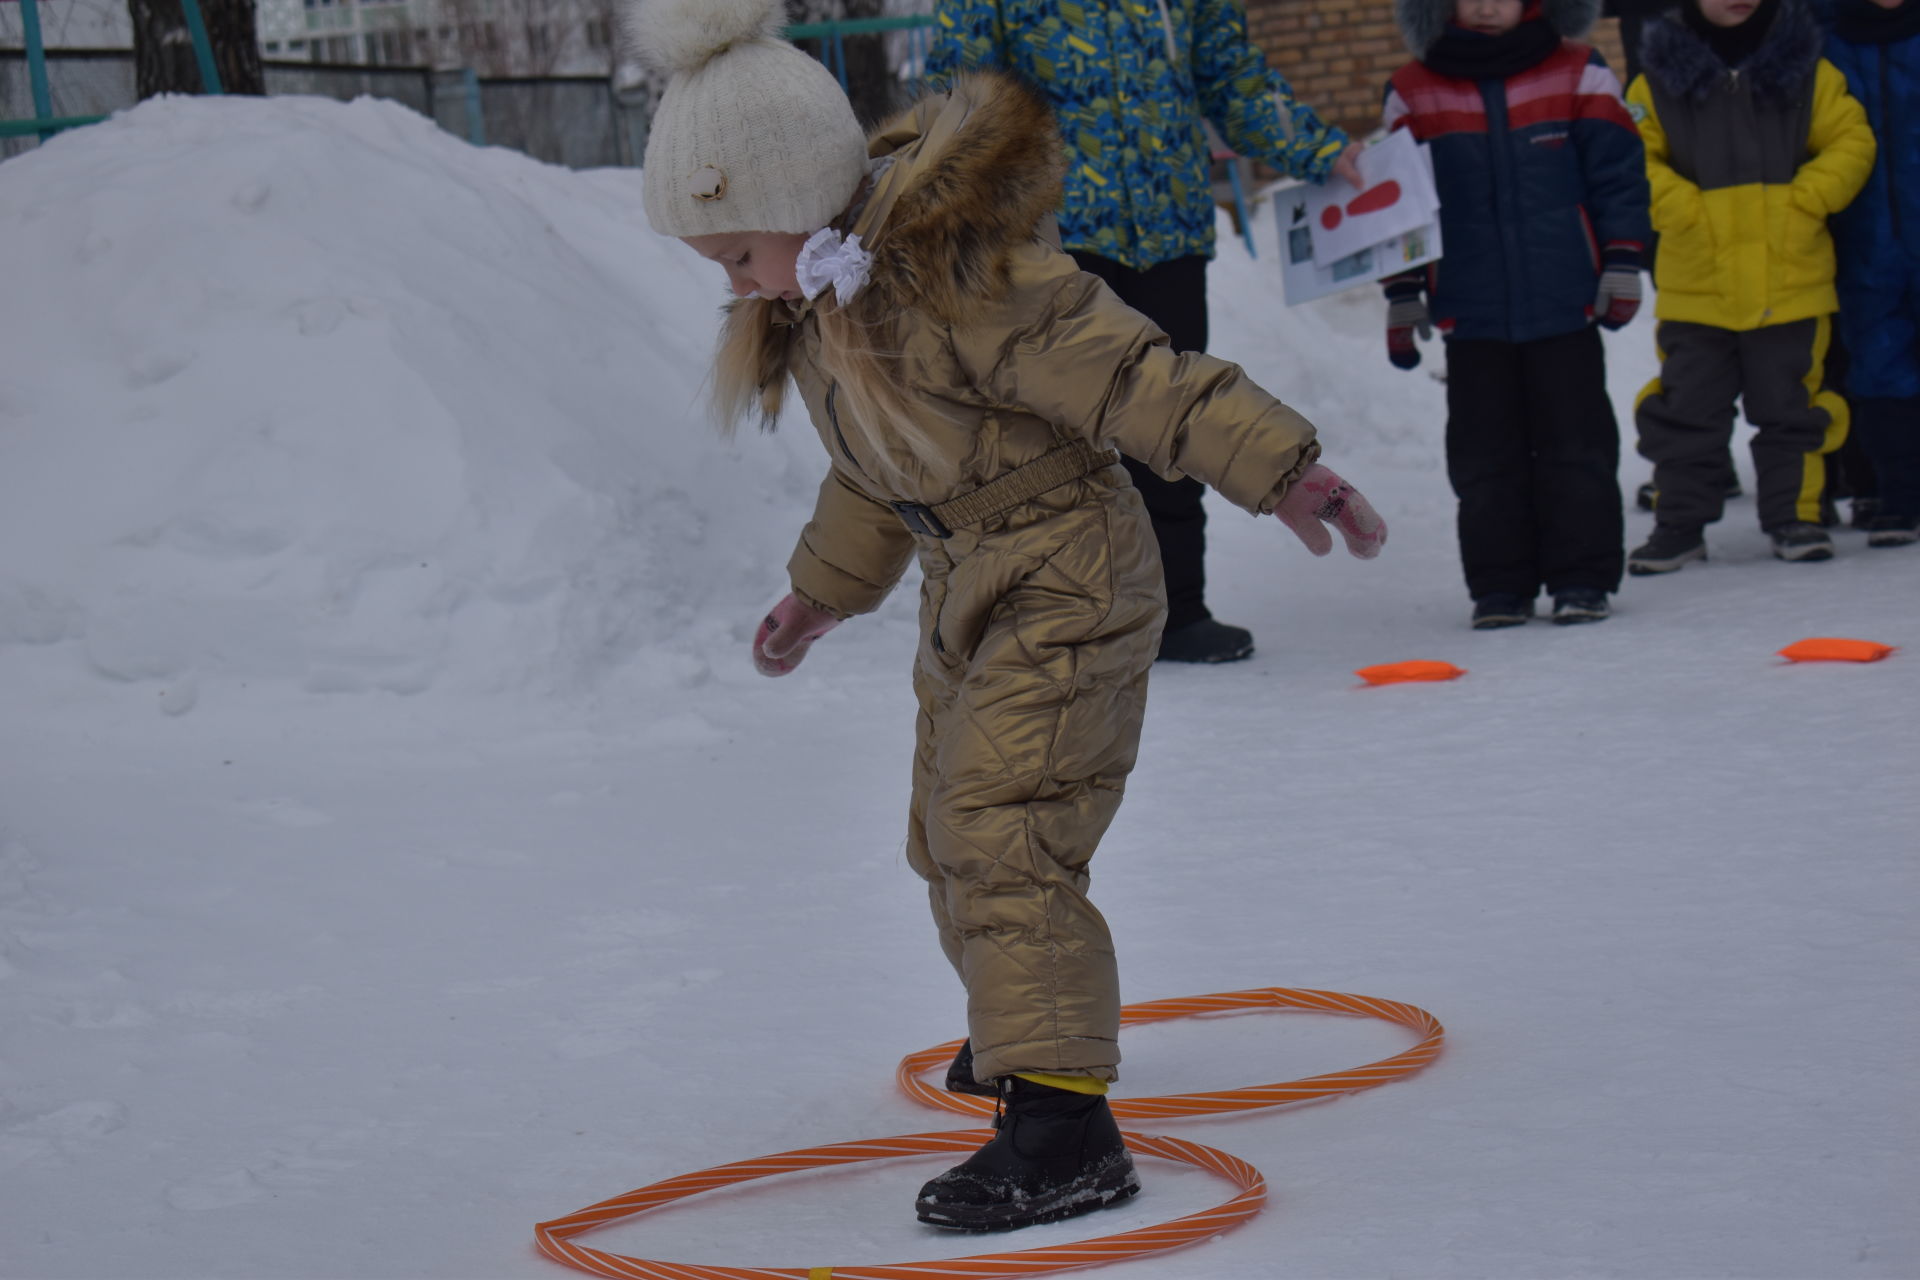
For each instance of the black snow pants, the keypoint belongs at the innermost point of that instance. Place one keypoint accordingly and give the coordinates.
(1685, 419)
(1174, 296)
(1533, 451)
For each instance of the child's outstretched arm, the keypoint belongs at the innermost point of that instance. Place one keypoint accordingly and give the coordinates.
(1254, 105)
(1080, 358)
(1840, 145)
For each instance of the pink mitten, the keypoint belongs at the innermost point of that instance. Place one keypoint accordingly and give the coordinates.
(786, 633)
(1320, 495)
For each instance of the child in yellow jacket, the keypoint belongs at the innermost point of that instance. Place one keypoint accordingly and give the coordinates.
(1752, 143)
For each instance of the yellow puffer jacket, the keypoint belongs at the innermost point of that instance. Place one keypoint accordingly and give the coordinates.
(1038, 622)
(1745, 169)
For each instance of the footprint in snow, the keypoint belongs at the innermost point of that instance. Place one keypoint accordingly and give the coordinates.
(67, 1130)
(284, 811)
(315, 1155)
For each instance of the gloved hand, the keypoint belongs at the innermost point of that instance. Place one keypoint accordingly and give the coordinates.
(1406, 312)
(1619, 294)
(1320, 495)
(786, 633)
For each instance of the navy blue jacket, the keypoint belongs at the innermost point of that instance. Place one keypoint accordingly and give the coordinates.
(1878, 235)
(1542, 181)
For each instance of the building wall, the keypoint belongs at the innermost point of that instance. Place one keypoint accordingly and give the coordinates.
(1337, 54)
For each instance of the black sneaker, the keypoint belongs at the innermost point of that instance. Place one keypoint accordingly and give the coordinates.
(1670, 547)
(1500, 609)
(1800, 540)
(1057, 1154)
(1893, 531)
(1580, 604)
(960, 1074)
(1206, 641)
(1862, 512)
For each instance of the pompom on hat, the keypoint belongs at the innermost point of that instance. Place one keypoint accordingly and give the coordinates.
(752, 134)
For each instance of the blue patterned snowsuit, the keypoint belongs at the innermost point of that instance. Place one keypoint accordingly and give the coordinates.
(1138, 190)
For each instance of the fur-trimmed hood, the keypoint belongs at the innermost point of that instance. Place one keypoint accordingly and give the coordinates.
(960, 181)
(1423, 21)
(1683, 65)
(967, 177)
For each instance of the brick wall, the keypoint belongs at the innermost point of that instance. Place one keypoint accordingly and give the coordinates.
(1337, 54)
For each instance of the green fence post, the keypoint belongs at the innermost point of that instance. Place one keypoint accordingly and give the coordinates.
(202, 47)
(476, 119)
(36, 63)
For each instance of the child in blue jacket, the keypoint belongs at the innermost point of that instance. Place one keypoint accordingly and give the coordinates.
(1543, 218)
(1876, 45)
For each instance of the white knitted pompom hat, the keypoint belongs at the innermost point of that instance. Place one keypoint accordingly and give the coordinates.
(752, 134)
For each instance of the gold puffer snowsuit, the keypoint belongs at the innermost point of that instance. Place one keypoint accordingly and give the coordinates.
(1039, 623)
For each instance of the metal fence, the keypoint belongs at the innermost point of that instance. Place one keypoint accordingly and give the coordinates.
(80, 82)
(576, 121)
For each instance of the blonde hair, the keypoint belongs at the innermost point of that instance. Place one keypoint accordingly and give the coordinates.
(859, 353)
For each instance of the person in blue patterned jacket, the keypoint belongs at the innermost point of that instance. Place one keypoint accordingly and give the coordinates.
(1134, 84)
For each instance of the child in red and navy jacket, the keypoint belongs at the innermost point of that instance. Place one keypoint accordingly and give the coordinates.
(1543, 217)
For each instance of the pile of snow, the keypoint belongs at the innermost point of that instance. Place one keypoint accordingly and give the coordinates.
(316, 394)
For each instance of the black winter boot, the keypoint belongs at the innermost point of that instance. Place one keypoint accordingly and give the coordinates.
(1207, 640)
(1057, 1154)
(960, 1074)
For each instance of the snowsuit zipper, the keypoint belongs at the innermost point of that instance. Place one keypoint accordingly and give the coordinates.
(1493, 93)
(1891, 129)
(833, 390)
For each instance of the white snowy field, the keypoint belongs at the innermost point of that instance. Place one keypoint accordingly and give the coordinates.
(397, 848)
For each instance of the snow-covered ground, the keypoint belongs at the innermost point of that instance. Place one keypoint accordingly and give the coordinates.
(396, 847)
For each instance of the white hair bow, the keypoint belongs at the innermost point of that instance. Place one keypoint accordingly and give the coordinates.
(825, 259)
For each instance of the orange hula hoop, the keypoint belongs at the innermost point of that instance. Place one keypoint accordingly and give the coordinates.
(1220, 1101)
(555, 1238)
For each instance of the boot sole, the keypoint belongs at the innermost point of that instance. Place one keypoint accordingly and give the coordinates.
(1646, 568)
(1233, 654)
(1803, 555)
(1110, 1188)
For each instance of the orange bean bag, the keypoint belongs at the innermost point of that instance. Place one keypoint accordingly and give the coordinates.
(1402, 672)
(1835, 649)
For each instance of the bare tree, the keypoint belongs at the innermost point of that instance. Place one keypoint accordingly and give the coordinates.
(163, 54)
(516, 38)
(871, 82)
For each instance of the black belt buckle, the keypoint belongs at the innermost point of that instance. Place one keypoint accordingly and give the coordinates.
(919, 517)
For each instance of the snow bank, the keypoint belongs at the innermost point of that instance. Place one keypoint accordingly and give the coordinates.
(314, 394)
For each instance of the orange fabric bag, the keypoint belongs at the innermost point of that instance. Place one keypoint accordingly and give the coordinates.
(1835, 649)
(1402, 672)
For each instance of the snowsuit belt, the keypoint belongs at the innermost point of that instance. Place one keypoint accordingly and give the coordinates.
(1047, 472)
